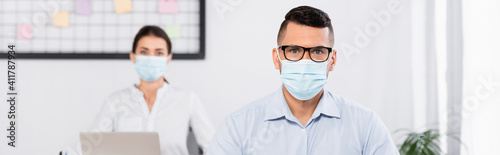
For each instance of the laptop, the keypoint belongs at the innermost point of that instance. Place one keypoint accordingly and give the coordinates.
(120, 143)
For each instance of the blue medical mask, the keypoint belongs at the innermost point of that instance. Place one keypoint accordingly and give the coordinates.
(150, 68)
(304, 79)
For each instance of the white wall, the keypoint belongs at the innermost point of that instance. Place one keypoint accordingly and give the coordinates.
(481, 99)
(58, 98)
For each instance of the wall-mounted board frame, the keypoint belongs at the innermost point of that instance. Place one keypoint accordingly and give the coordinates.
(102, 34)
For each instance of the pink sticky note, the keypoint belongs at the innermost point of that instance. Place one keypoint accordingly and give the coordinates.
(24, 31)
(167, 6)
(83, 7)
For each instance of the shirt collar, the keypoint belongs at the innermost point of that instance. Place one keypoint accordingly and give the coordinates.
(278, 108)
(326, 106)
(140, 96)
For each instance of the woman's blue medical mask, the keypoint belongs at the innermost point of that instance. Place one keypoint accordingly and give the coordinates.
(304, 79)
(150, 68)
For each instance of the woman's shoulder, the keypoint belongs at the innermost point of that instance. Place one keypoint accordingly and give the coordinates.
(127, 93)
(175, 91)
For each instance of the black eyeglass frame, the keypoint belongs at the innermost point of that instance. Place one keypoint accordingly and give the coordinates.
(305, 49)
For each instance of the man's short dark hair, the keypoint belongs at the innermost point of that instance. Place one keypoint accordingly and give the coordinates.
(308, 16)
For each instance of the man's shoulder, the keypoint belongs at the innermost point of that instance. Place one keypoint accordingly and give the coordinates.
(253, 110)
(257, 109)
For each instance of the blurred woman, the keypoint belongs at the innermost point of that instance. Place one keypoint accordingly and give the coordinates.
(154, 105)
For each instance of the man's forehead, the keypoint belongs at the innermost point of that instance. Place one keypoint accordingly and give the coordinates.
(304, 35)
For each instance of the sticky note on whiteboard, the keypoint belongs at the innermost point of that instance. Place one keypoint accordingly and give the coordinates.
(83, 7)
(61, 19)
(123, 6)
(173, 31)
(25, 31)
(167, 6)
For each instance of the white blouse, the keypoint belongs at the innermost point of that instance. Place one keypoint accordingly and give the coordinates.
(173, 112)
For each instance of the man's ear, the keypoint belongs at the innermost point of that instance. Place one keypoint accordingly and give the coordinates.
(334, 60)
(132, 57)
(276, 61)
(169, 57)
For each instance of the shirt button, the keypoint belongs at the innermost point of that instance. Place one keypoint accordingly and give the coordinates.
(303, 130)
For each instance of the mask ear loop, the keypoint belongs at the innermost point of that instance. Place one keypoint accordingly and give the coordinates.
(328, 61)
(278, 52)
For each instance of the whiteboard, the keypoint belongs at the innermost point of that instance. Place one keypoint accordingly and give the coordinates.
(102, 34)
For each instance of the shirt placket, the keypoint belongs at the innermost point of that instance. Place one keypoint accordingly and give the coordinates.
(303, 139)
(150, 123)
(305, 130)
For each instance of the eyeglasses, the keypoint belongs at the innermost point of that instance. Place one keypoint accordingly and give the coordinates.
(296, 53)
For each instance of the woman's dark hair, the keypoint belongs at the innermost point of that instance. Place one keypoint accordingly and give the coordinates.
(151, 30)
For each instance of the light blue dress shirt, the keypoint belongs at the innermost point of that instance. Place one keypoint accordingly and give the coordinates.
(268, 127)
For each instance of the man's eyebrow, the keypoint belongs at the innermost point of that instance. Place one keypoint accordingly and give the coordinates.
(143, 48)
(160, 49)
(307, 47)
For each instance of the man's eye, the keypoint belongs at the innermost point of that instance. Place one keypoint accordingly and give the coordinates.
(294, 51)
(144, 52)
(318, 52)
(159, 53)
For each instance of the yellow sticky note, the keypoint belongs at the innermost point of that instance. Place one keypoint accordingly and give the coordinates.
(123, 6)
(61, 19)
(173, 31)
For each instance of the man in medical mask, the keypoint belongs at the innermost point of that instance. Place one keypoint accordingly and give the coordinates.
(301, 117)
